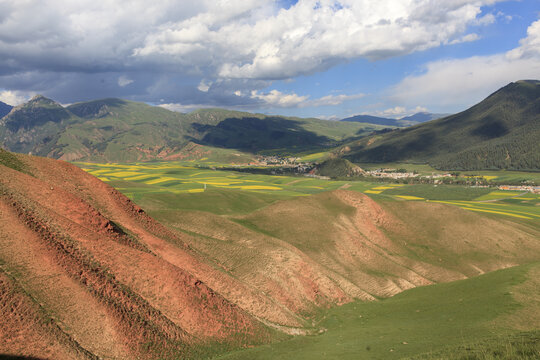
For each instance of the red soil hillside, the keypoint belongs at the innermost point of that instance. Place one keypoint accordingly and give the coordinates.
(76, 282)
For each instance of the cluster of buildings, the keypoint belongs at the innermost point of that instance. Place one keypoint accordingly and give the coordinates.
(530, 188)
(390, 173)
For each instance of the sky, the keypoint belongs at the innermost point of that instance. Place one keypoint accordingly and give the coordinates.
(329, 58)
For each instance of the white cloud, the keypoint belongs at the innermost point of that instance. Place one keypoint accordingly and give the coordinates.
(276, 98)
(465, 38)
(332, 100)
(204, 86)
(487, 19)
(124, 81)
(256, 40)
(450, 84)
(15, 98)
(205, 44)
(397, 112)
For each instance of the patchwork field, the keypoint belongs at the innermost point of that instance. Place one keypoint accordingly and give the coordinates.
(205, 189)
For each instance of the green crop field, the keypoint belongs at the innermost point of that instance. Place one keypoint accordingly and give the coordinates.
(186, 186)
(185, 181)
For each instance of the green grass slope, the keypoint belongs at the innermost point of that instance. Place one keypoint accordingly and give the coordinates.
(459, 320)
(501, 132)
(338, 168)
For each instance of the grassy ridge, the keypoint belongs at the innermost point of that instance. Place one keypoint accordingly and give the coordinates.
(501, 132)
(472, 314)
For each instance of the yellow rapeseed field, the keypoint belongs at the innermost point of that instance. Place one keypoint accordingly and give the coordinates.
(160, 180)
(409, 197)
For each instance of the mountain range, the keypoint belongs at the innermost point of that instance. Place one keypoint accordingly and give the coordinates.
(121, 130)
(500, 132)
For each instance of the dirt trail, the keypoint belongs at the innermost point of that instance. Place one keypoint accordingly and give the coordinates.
(72, 307)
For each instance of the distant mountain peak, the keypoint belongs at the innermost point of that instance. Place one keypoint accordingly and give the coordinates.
(36, 112)
(40, 98)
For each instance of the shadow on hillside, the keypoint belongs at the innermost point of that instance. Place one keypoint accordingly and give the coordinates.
(254, 134)
(406, 147)
(14, 357)
(96, 108)
(490, 128)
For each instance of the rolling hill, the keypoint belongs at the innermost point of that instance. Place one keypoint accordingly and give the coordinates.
(501, 132)
(4, 109)
(120, 130)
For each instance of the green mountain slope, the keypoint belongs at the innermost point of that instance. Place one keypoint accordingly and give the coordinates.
(501, 132)
(119, 130)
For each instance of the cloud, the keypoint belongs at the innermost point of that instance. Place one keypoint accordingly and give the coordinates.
(124, 81)
(397, 112)
(204, 86)
(279, 99)
(465, 38)
(276, 98)
(449, 84)
(311, 35)
(14, 98)
(86, 47)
